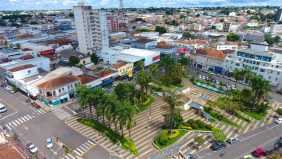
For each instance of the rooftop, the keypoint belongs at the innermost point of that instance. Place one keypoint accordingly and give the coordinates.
(139, 52)
(191, 42)
(86, 79)
(119, 64)
(211, 52)
(19, 68)
(143, 40)
(9, 50)
(8, 151)
(67, 53)
(57, 82)
(254, 52)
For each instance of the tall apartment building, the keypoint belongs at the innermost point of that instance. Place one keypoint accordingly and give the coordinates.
(91, 28)
(113, 25)
(226, 27)
(279, 15)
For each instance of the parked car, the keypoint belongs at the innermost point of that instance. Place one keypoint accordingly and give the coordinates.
(248, 157)
(32, 148)
(218, 145)
(233, 140)
(278, 121)
(35, 105)
(233, 79)
(217, 82)
(49, 143)
(191, 156)
(200, 76)
(259, 152)
(2, 108)
(12, 91)
(233, 87)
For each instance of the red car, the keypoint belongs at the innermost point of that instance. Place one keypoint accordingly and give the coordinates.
(259, 152)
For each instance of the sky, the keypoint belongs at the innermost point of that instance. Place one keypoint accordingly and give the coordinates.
(67, 4)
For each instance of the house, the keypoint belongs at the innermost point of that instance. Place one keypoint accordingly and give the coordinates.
(166, 50)
(209, 59)
(124, 69)
(64, 55)
(58, 90)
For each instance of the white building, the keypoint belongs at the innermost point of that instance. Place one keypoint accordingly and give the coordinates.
(91, 28)
(276, 28)
(223, 47)
(265, 63)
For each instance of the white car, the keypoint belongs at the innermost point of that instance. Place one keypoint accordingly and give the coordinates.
(49, 143)
(200, 76)
(32, 148)
(2, 108)
(217, 82)
(278, 121)
(233, 87)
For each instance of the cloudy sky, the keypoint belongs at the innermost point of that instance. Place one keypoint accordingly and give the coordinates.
(64, 4)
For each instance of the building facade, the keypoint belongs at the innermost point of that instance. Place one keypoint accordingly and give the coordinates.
(278, 17)
(260, 60)
(91, 28)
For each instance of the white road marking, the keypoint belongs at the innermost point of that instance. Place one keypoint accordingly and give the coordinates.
(8, 115)
(17, 122)
(27, 119)
(20, 120)
(14, 123)
(23, 119)
(29, 116)
(258, 133)
(76, 152)
(7, 126)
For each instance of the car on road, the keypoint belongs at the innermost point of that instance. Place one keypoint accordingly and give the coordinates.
(259, 152)
(218, 145)
(49, 143)
(35, 105)
(278, 120)
(248, 157)
(191, 156)
(233, 79)
(32, 148)
(217, 82)
(2, 108)
(200, 76)
(233, 140)
(233, 87)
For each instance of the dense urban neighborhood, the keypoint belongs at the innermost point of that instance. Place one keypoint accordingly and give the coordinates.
(141, 83)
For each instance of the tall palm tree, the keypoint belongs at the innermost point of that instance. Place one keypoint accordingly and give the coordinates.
(95, 97)
(248, 75)
(171, 111)
(121, 116)
(261, 88)
(129, 113)
(83, 96)
(154, 70)
(109, 106)
(143, 80)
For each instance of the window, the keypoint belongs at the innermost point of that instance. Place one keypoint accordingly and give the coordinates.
(269, 77)
(28, 71)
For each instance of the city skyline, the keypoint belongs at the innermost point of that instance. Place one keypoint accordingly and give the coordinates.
(68, 4)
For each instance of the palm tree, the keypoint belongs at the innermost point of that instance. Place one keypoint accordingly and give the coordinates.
(143, 80)
(129, 113)
(248, 75)
(121, 116)
(95, 97)
(171, 111)
(83, 96)
(260, 88)
(154, 70)
(108, 103)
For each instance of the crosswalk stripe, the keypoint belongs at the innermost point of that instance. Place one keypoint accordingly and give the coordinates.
(8, 126)
(86, 146)
(26, 118)
(23, 119)
(20, 120)
(14, 123)
(86, 143)
(11, 124)
(29, 116)
(77, 152)
(17, 122)
(82, 148)
(66, 157)
(71, 156)
(90, 142)
(41, 111)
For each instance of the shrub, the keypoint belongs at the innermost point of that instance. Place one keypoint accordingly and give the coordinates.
(185, 127)
(174, 134)
(197, 124)
(279, 111)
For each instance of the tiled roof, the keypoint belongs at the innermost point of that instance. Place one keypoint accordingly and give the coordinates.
(19, 68)
(86, 79)
(57, 82)
(119, 64)
(8, 151)
(200, 42)
(27, 56)
(212, 53)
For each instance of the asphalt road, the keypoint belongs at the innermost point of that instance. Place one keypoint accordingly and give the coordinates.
(262, 137)
(35, 126)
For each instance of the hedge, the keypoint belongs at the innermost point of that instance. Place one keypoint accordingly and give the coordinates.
(197, 125)
(279, 111)
(174, 135)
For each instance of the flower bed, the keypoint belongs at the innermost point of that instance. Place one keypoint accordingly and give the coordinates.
(165, 139)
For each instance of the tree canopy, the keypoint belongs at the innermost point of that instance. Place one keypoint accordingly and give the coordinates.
(73, 60)
(94, 58)
(232, 37)
(161, 29)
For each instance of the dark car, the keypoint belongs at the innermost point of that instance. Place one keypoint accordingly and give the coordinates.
(35, 105)
(191, 156)
(218, 145)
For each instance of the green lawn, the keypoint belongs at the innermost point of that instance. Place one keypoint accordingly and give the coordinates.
(125, 143)
(255, 115)
(164, 139)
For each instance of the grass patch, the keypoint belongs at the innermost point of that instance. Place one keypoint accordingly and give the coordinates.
(220, 117)
(255, 115)
(125, 143)
(238, 115)
(146, 104)
(164, 139)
